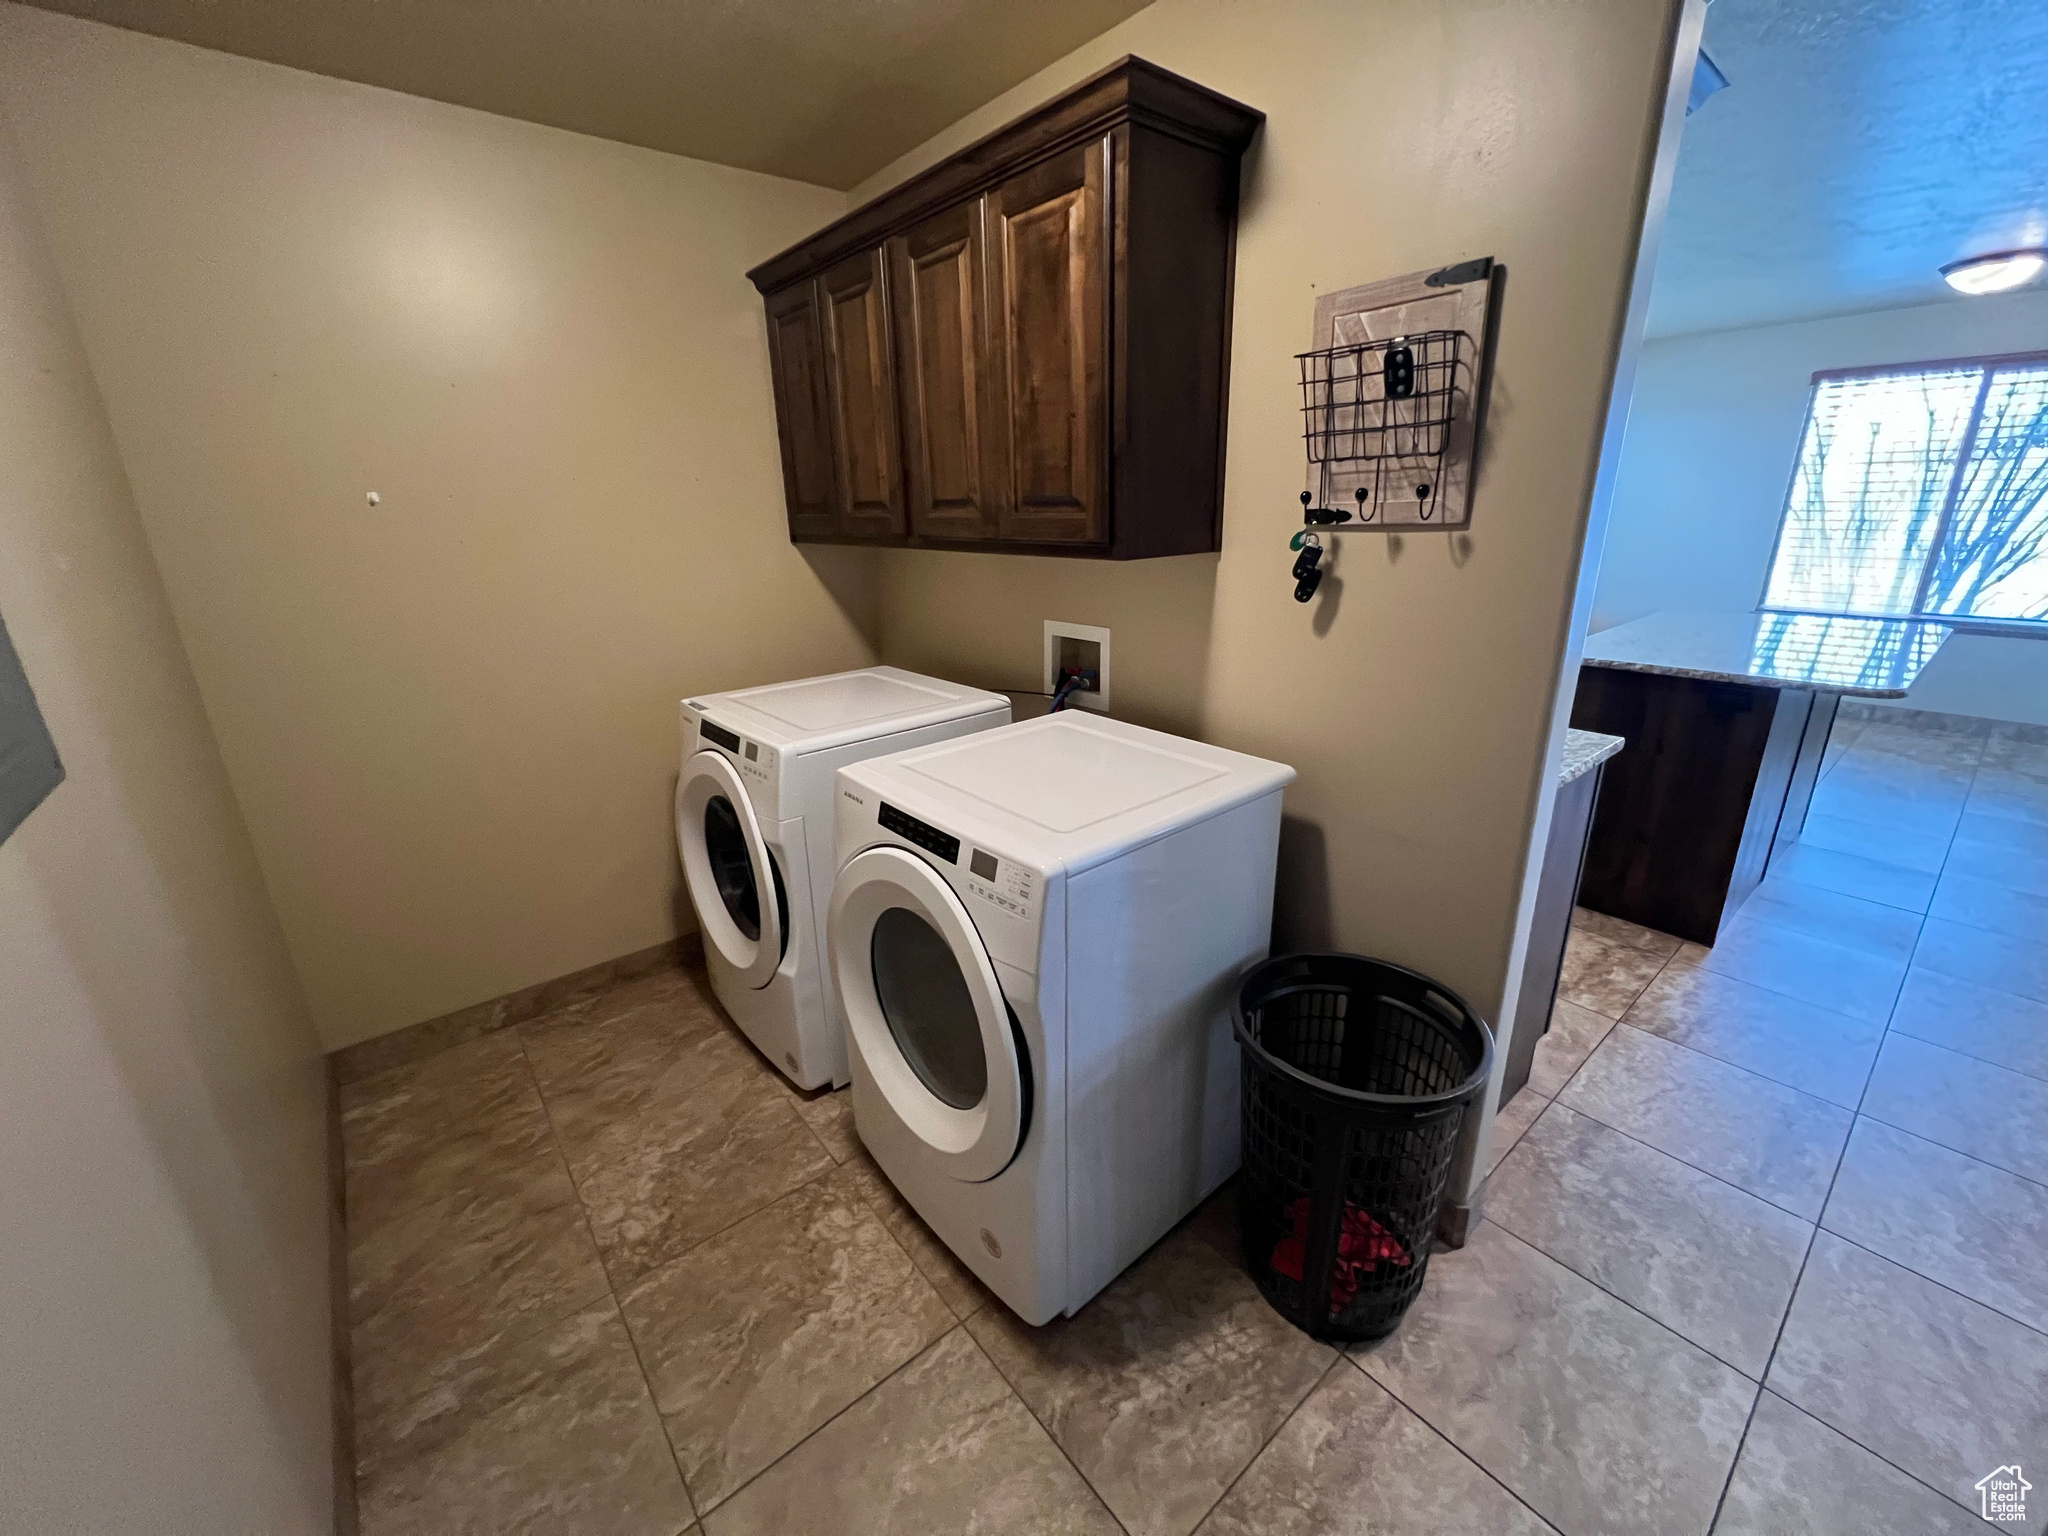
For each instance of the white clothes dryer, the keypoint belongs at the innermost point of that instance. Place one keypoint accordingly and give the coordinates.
(754, 829)
(1034, 935)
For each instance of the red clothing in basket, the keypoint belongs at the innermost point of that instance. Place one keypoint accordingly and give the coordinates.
(1361, 1244)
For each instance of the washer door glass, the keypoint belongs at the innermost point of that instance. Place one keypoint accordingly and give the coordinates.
(735, 882)
(928, 1008)
(732, 869)
(927, 1023)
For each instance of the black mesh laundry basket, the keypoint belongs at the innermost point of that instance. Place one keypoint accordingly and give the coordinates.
(1357, 1075)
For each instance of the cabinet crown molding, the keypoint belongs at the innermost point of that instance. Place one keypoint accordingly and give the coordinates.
(1132, 90)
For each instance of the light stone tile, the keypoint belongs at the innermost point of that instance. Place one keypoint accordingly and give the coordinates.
(1941, 722)
(1967, 1105)
(682, 1170)
(467, 1121)
(1923, 809)
(1962, 747)
(674, 1129)
(1870, 926)
(1164, 1387)
(2008, 757)
(1761, 1136)
(942, 1446)
(830, 1117)
(1700, 1256)
(1573, 1034)
(1882, 773)
(1795, 1475)
(2001, 793)
(1940, 1386)
(595, 1073)
(1993, 1026)
(958, 1286)
(1919, 851)
(684, 991)
(1354, 1462)
(1854, 875)
(1972, 1227)
(2017, 747)
(434, 1289)
(1981, 904)
(1998, 831)
(1622, 931)
(1511, 1125)
(1999, 960)
(1603, 975)
(1806, 1047)
(1596, 1417)
(555, 1433)
(755, 1338)
(1998, 862)
(1817, 971)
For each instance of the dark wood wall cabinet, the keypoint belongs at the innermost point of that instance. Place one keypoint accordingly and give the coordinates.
(1026, 348)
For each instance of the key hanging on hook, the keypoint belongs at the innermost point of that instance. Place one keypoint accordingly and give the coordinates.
(1397, 373)
(1308, 574)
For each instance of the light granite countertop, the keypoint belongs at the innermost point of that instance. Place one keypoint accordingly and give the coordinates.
(1583, 752)
(1868, 658)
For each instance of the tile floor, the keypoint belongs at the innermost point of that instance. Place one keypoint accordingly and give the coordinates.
(1762, 1251)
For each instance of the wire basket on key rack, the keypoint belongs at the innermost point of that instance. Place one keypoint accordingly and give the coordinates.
(1370, 403)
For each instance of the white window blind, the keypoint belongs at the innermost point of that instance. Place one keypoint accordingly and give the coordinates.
(1920, 492)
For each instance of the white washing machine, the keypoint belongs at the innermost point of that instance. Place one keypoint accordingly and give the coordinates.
(1035, 935)
(754, 828)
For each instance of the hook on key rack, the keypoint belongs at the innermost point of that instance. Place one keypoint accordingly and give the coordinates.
(1321, 517)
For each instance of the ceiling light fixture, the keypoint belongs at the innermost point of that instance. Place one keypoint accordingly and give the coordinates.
(1995, 272)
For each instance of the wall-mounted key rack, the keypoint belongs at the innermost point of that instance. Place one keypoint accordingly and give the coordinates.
(1392, 396)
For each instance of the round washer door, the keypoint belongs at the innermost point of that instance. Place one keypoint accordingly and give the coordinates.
(927, 1012)
(732, 876)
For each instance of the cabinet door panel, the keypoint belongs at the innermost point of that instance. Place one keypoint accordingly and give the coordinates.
(1049, 336)
(796, 355)
(938, 288)
(862, 377)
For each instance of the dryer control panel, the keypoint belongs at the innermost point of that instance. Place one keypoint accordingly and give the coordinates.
(986, 877)
(1003, 882)
(754, 760)
(928, 837)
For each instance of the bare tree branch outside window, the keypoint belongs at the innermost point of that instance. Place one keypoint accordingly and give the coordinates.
(1921, 493)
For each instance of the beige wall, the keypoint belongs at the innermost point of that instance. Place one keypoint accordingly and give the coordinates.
(450, 719)
(163, 1308)
(1417, 697)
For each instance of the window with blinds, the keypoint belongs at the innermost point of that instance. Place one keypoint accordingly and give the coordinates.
(1920, 492)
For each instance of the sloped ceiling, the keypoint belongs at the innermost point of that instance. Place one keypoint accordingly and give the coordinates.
(1861, 144)
(825, 91)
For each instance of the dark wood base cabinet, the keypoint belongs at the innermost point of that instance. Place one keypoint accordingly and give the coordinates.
(1027, 347)
(1717, 775)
